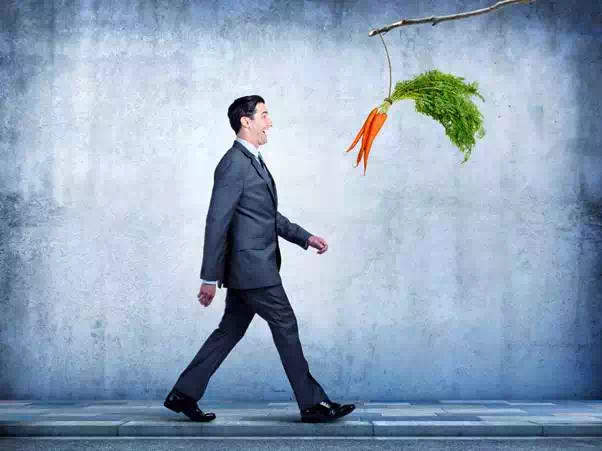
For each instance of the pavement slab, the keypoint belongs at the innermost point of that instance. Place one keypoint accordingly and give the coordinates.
(386, 404)
(59, 428)
(548, 419)
(246, 429)
(485, 411)
(455, 428)
(573, 430)
(142, 418)
(474, 401)
(527, 403)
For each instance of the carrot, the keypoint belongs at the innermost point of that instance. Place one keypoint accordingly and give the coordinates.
(369, 131)
(362, 130)
(375, 127)
(365, 135)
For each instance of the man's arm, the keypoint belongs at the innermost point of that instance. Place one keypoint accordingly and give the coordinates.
(292, 232)
(228, 183)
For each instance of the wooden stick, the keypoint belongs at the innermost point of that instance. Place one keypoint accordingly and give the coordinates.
(436, 19)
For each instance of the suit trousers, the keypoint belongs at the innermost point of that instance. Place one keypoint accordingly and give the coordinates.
(272, 304)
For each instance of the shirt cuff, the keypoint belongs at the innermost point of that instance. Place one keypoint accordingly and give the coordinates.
(211, 282)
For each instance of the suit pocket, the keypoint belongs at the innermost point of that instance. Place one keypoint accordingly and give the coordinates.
(251, 243)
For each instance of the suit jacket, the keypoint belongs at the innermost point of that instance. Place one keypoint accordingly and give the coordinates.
(243, 224)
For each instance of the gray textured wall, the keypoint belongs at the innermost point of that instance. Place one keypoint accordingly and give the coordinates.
(441, 281)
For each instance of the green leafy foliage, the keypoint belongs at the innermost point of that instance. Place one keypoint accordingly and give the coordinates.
(447, 99)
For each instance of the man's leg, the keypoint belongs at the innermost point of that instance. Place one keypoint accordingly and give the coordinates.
(272, 304)
(237, 317)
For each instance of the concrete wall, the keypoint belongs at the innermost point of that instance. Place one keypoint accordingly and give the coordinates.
(442, 281)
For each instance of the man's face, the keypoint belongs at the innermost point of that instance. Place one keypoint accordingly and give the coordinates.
(258, 126)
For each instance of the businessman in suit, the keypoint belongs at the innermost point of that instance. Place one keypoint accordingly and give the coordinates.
(241, 253)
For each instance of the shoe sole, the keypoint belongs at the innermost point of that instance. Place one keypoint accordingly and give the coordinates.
(173, 409)
(325, 419)
(345, 413)
(318, 420)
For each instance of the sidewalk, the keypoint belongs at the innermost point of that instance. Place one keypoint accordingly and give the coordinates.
(262, 419)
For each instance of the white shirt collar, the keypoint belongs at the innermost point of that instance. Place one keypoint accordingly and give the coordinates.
(250, 147)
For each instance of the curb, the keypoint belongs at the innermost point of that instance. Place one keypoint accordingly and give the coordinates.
(297, 429)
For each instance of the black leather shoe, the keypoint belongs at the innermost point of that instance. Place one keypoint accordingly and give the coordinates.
(325, 411)
(179, 402)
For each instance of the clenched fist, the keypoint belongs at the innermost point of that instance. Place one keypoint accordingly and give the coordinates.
(206, 294)
(318, 243)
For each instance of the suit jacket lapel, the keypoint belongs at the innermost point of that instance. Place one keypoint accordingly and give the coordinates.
(257, 165)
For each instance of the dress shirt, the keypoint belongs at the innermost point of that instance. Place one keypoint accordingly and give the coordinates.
(251, 148)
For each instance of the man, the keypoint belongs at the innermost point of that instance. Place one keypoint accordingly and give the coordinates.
(241, 253)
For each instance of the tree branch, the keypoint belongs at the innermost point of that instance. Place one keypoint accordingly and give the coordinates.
(435, 20)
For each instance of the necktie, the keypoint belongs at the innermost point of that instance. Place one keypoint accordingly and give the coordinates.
(265, 168)
(262, 163)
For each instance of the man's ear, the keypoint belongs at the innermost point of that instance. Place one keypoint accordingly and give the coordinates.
(244, 121)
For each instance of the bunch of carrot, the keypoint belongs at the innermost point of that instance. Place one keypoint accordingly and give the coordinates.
(369, 130)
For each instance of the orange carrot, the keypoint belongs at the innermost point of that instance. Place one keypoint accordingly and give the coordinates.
(362, 130)
(375, 127)
(369, 131)
(365, 135)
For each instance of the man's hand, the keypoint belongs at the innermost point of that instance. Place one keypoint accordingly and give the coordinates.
(318, 243)
(206, 294)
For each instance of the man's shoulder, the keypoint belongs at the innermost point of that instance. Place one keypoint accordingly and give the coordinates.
(235, 155)
(233, 159)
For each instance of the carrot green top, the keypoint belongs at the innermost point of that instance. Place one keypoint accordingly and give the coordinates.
(446, 98)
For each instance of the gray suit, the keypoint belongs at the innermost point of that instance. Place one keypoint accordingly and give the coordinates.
(243, 224)
(241, 252)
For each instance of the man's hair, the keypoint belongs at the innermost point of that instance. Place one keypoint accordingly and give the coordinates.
(243, 106)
